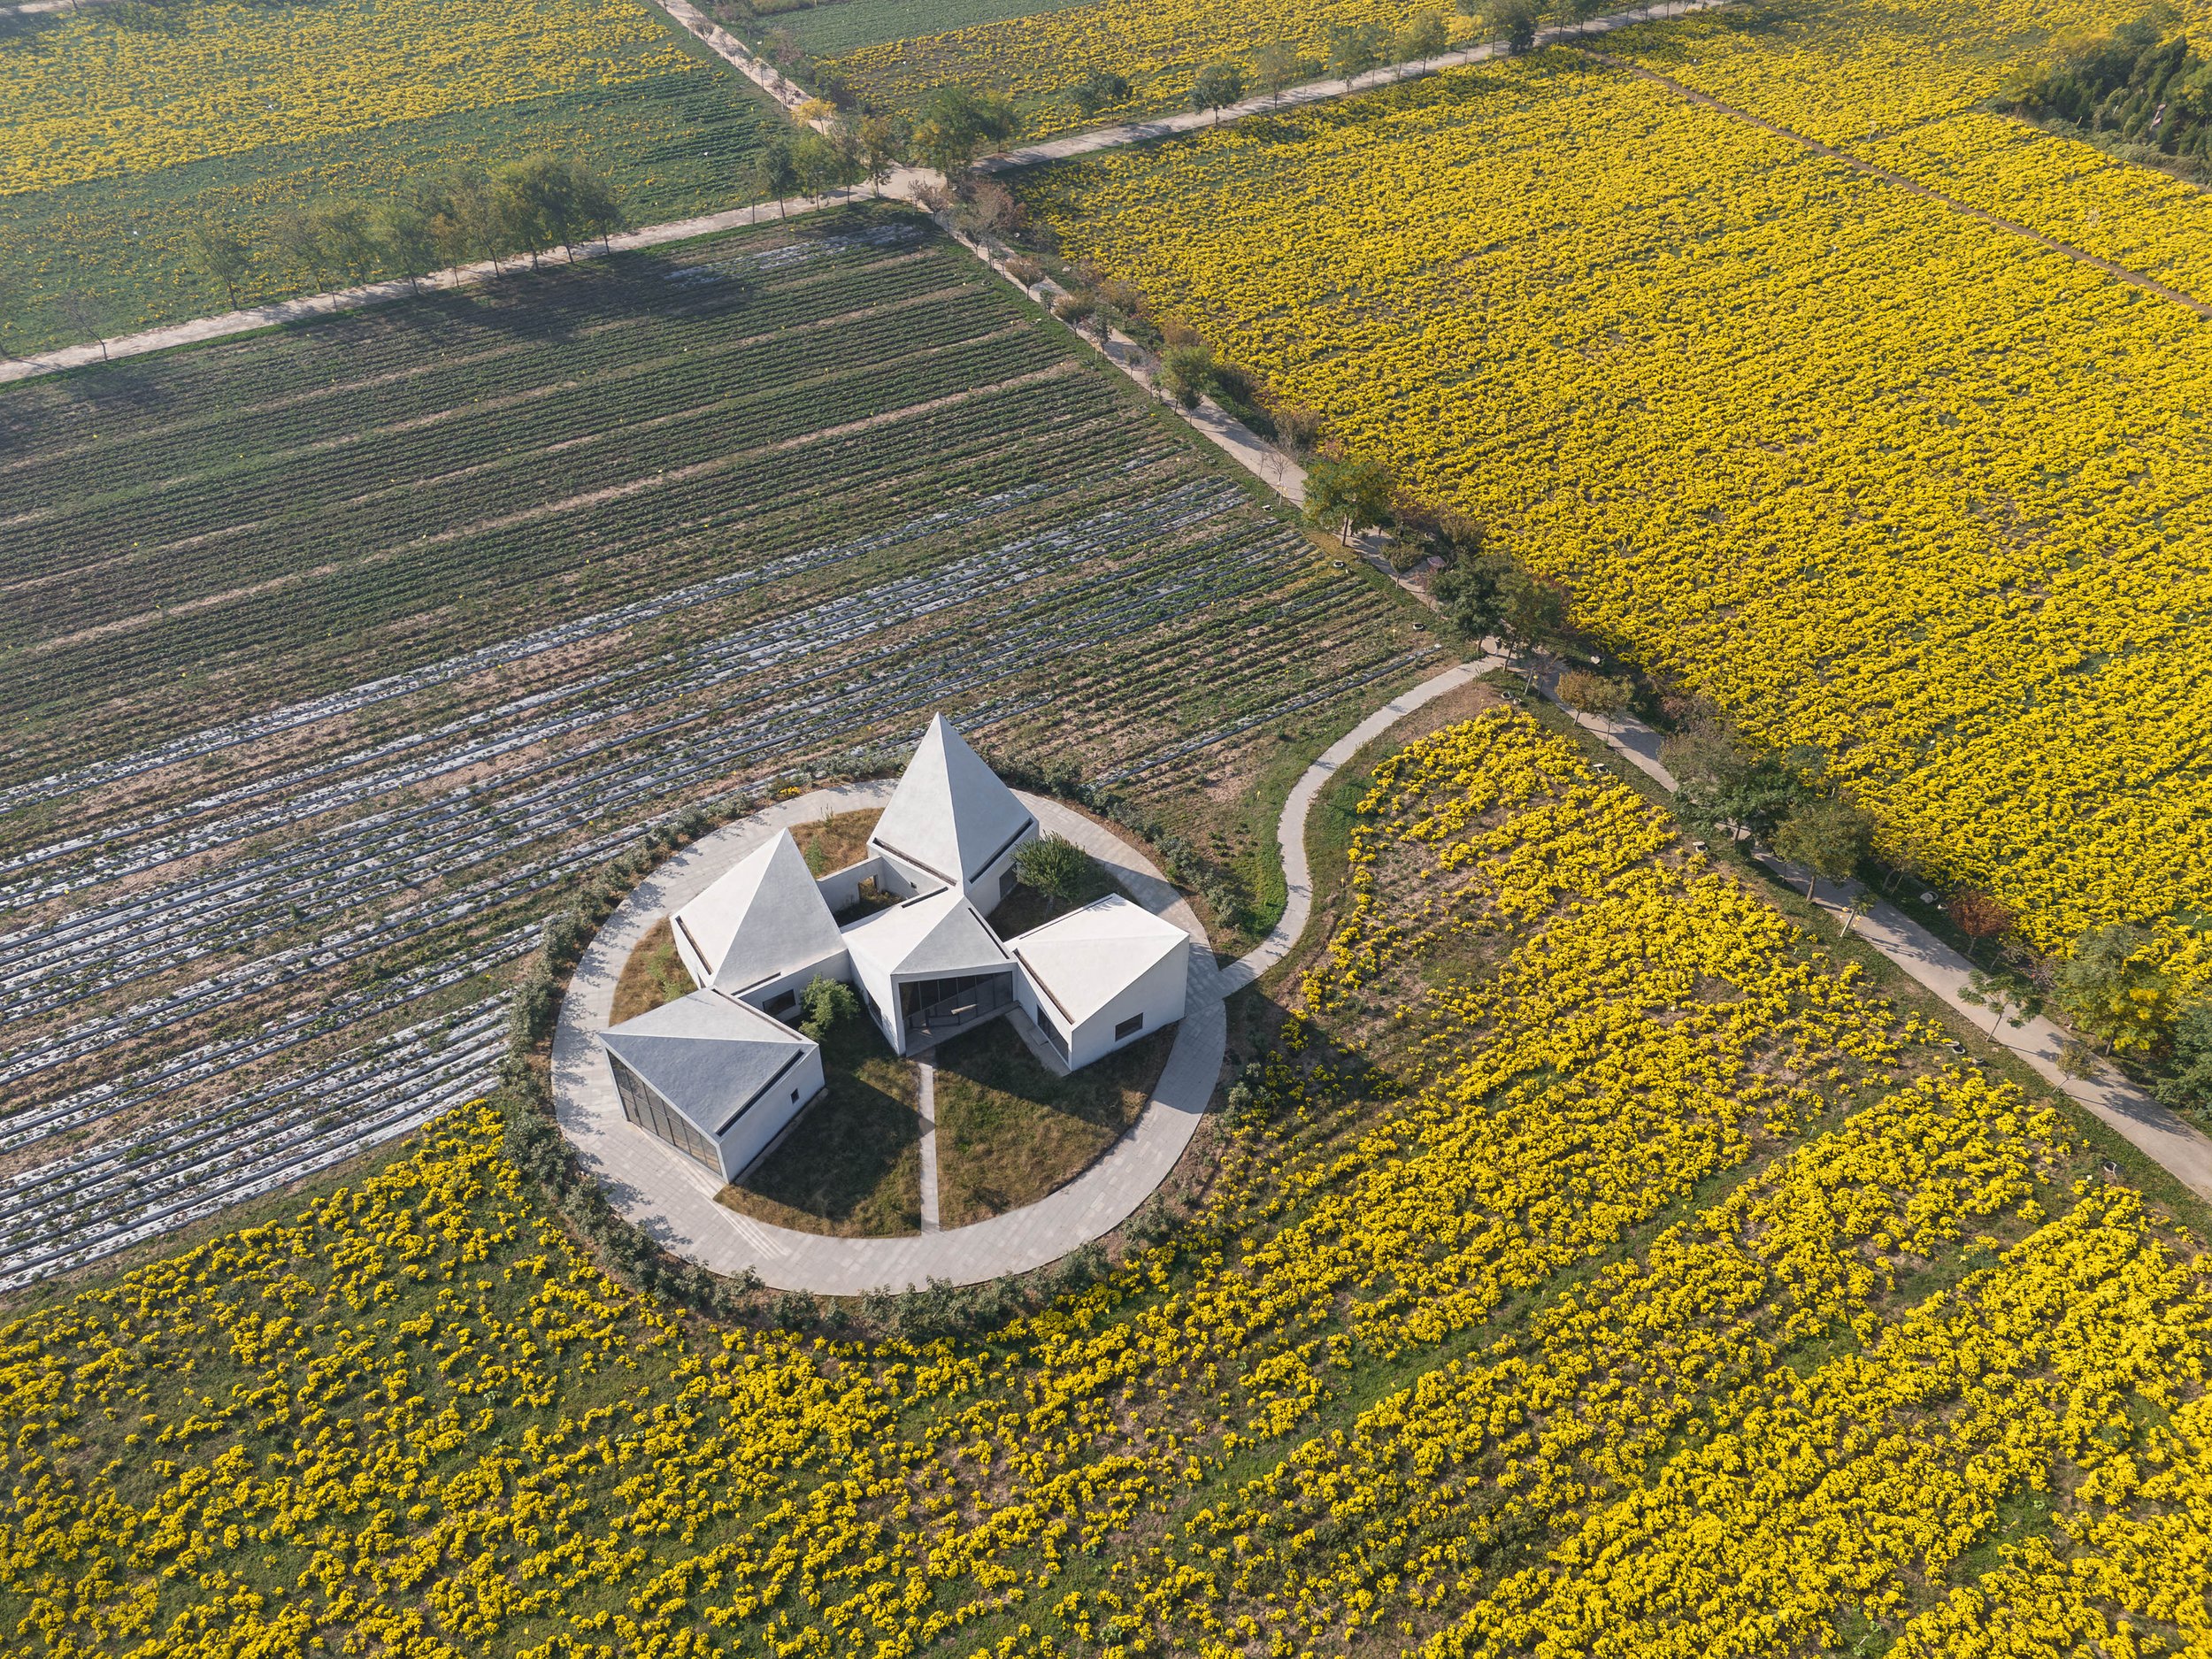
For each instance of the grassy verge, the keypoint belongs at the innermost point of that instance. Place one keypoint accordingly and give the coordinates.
(835, 840)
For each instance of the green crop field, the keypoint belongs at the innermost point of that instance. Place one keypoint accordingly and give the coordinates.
(125, 127)
(336, 656)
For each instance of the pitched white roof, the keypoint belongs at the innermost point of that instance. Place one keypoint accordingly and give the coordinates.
(938, 934)
(1084, 960)
(950, 815)
(707, 1055)
(764, 918)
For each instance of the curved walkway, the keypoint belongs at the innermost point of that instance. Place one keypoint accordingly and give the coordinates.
(672, 1199)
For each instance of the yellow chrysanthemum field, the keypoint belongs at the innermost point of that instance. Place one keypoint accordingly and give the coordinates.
(1597, 1267)
(125, 127)
(1885, 478)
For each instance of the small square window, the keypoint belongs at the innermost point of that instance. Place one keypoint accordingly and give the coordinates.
(1129, 1027)
(794, 1094)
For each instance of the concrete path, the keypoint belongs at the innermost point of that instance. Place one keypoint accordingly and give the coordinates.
(2160, 1135)
(1098, 138)
(1290, 827)
(926, 1102)
(903, 184)
(672, 1199)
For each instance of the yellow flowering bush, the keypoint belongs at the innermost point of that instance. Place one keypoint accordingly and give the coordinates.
(1157, 49)
(1887, 481)
(87, 97)
(1595, 1266)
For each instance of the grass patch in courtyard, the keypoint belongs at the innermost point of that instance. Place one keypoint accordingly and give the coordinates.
(830, 844)
(654, 974)
(1009, 1132)
(851, 1165)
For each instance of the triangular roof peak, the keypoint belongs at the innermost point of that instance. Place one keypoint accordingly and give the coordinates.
(939, 933)
(765, 917)
(707, 1055)
(950, 815)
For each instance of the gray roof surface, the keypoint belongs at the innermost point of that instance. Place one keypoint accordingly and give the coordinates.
(1087, 957)
(765, 917)
(950, 813)
(706, 1054)
(939, 934)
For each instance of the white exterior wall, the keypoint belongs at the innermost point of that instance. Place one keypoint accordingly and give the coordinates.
(985, 891)
(879, 986)
(837, 967)
(693, 964)
(765, 1119)
(1158, 995)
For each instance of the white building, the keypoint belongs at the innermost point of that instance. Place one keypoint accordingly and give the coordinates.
(928, 968)
(712, 1076)
(951, 822)
(1101, 977)
(717, 1075)
(763, 932)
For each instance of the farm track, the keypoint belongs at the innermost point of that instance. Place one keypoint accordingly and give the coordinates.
(234, 953)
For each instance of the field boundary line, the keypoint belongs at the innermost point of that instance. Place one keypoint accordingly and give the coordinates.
(901, 185)
(1876, 170)
(1185, 121)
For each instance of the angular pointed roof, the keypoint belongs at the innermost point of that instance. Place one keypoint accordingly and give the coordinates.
(938, 934)
(708, 1055)
(950, 815)
(764, 918)
(1084, 959)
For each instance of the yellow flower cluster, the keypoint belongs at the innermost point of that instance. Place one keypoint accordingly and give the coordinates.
(86, 95)
(414, 1417)
(1157, 49)
(1885, 479)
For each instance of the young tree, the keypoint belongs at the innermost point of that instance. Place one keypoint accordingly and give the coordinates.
(775, 173)
(1979, 916)
(1057, 868)
(519, 192)
(1353, 50)
(1827, 837)
(462, 222)
(826, 1004)
(1278, 67)
(596, 203)
(883, 142)
(956, 122)
(1592, 693)
(1422, 38)
(819, 166)
(85, 319)
(298, 240)
(2114, 989)
(1515, 23)
(401, 231)
(1531, 611)
(2006, 993)
(342, 230)
(1217, 87)
(1187, 372)
(2187, 1084)
(1862, 903)
(1469, 590)
(1101, 89)
(219, 255)
(1348, 496)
